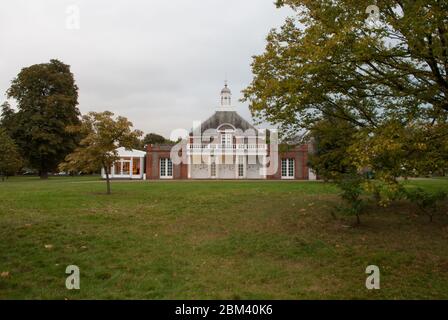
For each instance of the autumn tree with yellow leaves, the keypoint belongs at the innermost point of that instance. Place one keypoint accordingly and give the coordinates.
(388, 82)
(102, 135)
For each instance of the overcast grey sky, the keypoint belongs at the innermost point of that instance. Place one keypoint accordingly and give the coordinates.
(160, 63)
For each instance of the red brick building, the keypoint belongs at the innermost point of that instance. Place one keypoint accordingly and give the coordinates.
(291, 164)
(225, 146)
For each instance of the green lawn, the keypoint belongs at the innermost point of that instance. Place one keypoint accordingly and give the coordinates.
(211, 240)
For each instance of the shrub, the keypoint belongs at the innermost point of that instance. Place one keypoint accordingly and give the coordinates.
(427, 202)
(384, 192)
(351, 191)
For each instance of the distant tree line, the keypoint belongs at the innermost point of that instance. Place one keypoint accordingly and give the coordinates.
(156, 139)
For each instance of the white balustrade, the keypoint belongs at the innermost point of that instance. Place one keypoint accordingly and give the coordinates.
(239, 147)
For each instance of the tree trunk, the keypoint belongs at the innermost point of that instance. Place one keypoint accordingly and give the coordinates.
(107, 179)
(43, 175)
(358, 220)
(108, 183)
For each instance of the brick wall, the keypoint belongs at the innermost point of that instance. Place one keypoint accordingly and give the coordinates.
(153, 155)
(300, 156)
(155, 152)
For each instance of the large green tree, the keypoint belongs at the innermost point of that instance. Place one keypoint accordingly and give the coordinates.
(47, 99)
(10, 160)
(390, 77)
(103, 134)
(331, 139)
(154, 138)
(7, 119)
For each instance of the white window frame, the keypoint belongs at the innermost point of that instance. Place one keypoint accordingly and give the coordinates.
(226, 140)
(240, 165)
(288, 168)
(120, 163)
(213, 167)
(213, 170)
(164, 165)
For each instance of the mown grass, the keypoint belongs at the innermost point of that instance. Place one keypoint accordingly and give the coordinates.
(212, 240)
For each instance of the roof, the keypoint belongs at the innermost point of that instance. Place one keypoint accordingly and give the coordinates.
(225, 90)
(122, 152)
(226, 117)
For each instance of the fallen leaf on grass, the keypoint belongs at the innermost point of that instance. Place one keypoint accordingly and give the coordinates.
(4, 274)
(48, 246)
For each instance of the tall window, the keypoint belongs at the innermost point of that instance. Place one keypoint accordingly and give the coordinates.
(213, 170)
(126, 168)
(288, 168)
(166, 168)
(226, 140)
(117, 168)
(136, 166)
(122, 167)
(240, 167)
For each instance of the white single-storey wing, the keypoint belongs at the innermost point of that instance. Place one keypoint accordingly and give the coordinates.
(131, 165)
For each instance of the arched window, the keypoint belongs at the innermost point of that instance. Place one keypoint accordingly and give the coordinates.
(226, 132)
(226, 127)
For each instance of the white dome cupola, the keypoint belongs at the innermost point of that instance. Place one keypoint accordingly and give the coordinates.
(226, 96)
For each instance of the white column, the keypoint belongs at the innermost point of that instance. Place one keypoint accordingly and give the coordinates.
(265, 168)
(209, 167)
(245, 167)
(236, 164)
(189, 166)
(218, 164)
